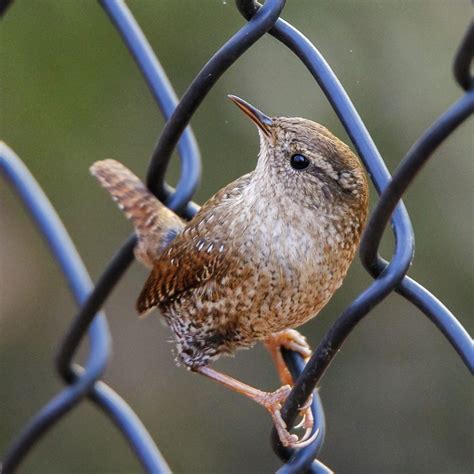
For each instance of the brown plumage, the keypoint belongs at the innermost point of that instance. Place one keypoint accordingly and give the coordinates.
(155, 225)
(260, 258)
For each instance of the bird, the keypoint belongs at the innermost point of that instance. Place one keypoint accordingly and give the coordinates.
(261, 257)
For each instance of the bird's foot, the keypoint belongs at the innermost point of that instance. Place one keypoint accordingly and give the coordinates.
(307, 419)
(273, 402)
(292, 340)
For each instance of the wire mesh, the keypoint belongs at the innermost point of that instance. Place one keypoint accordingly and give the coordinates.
(84, 382)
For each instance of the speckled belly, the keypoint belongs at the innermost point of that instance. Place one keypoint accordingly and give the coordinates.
(223, 318)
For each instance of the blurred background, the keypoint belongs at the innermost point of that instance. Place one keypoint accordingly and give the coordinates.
(397, 397)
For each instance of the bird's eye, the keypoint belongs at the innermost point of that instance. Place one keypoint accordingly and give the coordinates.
(299, 162)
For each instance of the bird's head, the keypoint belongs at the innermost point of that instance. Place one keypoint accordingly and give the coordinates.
(307, 160)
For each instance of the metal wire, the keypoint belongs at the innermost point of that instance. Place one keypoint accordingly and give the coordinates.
(83, 382)
(388, 276)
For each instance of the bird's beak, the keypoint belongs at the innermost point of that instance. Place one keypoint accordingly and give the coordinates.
(262, 121)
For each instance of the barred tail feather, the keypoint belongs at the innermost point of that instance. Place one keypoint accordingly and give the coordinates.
(155, 224)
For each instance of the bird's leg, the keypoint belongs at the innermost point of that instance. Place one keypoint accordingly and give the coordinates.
(282, 369)
(292, 340)
(272, 401)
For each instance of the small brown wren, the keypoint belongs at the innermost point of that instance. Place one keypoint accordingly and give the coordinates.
(261, 257)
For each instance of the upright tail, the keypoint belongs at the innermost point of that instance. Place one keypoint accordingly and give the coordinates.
(155, 225)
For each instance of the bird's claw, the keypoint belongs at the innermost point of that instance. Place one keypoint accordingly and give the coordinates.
(292, 340)
(273, 402)
(307, 419)
(306, 414)
(308, 404)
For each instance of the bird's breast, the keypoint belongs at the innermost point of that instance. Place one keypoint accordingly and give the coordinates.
(291, 267)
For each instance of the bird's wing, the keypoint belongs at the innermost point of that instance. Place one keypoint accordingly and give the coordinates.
(199, 254)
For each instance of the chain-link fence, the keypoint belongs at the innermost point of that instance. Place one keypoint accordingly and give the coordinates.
(85, 382)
